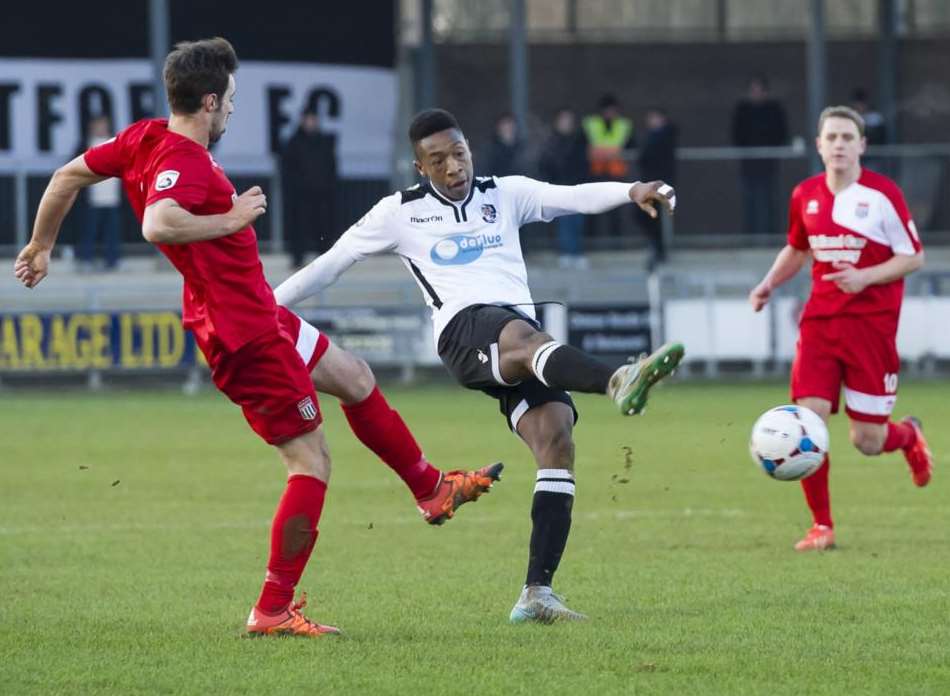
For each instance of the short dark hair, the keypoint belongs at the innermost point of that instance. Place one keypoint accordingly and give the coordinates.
(431, 121)
(196, 68)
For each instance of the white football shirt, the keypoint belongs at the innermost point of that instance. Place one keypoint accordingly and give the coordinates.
(461, 253)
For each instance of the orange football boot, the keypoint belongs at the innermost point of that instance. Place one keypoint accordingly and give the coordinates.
(289, 622)
(455, 489)
(918, 456)
(819, 538)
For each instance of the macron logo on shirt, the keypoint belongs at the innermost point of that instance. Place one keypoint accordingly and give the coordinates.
(165, 180)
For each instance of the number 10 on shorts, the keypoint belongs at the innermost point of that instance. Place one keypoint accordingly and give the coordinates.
(890, 382)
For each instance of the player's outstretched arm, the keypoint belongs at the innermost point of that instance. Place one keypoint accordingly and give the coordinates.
(598, 197)
(166, 222)
(788, 262)
(372, 234)
(320, 273)
(32, 263)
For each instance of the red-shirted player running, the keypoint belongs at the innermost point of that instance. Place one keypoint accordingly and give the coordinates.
(264, 357)
(857, 228)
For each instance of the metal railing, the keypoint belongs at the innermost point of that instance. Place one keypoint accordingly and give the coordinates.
(710, 201)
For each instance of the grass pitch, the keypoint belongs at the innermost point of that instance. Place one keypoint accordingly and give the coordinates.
(133, 532)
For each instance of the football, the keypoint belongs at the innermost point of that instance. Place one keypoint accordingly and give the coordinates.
(788, 443)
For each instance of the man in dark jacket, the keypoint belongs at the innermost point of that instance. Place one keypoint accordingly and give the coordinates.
(309, 173)
(657, 160)
(503, 155)
(564, 161)
(758, 120)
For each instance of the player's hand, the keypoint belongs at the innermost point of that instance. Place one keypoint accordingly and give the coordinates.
(247, 207)
(647, 194)
(848, 278)
(759, 297)
(32, 264)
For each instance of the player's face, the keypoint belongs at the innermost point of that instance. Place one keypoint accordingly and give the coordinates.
(444, 159)
(220, 116)
(840, 144)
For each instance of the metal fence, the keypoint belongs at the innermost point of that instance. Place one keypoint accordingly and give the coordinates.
(709, 216)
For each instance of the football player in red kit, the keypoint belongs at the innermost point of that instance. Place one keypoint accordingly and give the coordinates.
(263, 357)
(855, 225)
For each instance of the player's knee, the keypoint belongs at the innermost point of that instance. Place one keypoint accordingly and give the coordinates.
(867, 442)
(559, 447)
(307, 455)
(363, 380)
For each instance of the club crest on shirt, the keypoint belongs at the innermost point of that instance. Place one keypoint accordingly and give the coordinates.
(308, 410)
(862, 209)
(166, 179)
(812, 207)
(489, 214)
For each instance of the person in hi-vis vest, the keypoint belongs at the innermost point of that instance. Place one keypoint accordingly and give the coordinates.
(608, 135)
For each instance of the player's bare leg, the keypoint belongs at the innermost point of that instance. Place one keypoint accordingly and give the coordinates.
(547, 430)
(907, 435)
(293, 535)
(868, 438)
(526, 352)
(378, 426)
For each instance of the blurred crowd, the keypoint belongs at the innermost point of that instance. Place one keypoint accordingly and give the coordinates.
(606, 144)
(609, 145)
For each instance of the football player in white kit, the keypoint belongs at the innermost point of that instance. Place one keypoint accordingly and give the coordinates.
(459, 237)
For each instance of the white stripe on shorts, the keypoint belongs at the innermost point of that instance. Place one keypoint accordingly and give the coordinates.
(495, 360)
(516, 413)
(869, 403)
(307, 341)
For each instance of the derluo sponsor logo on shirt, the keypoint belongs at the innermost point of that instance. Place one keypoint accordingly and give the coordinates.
(460, 249)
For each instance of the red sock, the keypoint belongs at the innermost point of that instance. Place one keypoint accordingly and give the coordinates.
(899, 436)
(817, 496)
(381, 428)
(292, 536)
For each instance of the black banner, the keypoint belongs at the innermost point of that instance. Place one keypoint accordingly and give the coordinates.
(611, 332)
(361, 33)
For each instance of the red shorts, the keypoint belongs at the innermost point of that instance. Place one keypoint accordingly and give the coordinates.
(854, 351)
(269, 378)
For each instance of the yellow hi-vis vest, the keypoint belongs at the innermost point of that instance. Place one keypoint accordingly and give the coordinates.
(606, 145)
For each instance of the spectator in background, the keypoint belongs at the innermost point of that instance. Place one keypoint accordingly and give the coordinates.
(309, 173)
(874, 126)
(504, 153)
(102, 209)
(609, 133)
(875, 129)
(758, 120)
(563, 161)
(657, 160)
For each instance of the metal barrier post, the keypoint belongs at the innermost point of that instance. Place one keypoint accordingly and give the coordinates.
(276, 209)
(22, 203)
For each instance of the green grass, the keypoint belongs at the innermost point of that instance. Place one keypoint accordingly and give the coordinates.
(133, 535)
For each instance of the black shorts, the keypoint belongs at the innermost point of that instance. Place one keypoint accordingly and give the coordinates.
(468, 347)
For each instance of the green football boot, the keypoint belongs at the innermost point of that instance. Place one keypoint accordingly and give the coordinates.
(630, 384)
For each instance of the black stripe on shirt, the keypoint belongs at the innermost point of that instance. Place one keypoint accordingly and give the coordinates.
(425, 283)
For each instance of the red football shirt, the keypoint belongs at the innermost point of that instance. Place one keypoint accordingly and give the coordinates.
(225, 296)
(865, 224)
